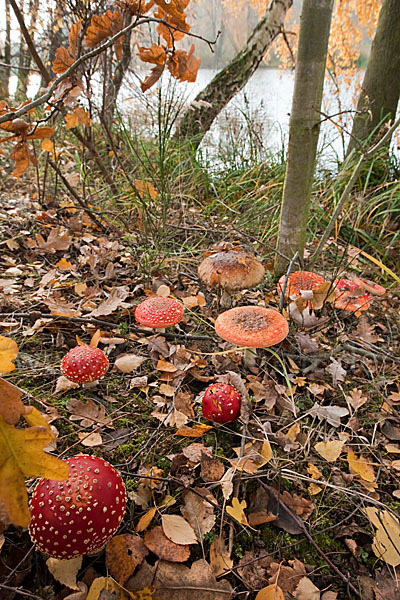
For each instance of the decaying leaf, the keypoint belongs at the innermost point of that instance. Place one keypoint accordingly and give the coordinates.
(123, 554)
(88, 413)
(212, 469)
(11, 405)
(198, 512)
(287, 576)
(156, 541)
(220, 559)
(337, 372)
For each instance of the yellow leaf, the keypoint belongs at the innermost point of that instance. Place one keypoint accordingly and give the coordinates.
(360, 466)
(314, 471)
(145, 188)
(196, 431)
(21, 455)
(237, 511)
(220, 559)
(271, 592)
(145, 520)
(96, 338)
(64, 265)
(386, 544)
(11, 406)
(8, 353)
(293, 432)
(108, 584)
(47, 145)
(79, 117)
(330, 451)
(314, 489)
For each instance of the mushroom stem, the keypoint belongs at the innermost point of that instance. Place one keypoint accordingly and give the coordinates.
(249, 357)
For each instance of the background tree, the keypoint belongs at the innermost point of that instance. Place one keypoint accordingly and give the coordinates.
(380, 89)
(303, 128)
(234, 76)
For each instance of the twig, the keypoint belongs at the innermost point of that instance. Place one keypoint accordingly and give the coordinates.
(283, 290)
(346, 192)
(81, 203)
(304, 529)
(10, 116)
(18, 590)
(7, 66)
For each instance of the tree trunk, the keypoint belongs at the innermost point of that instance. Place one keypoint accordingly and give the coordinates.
(304, 128)
(231, 79)
(381, 86)
(6, 56)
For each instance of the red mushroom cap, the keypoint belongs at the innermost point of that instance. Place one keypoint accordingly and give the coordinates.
(221, 403)
(299, 281)
(252, 326)
(84, 364)
(79, 515)
(159, 312)
(350, 296)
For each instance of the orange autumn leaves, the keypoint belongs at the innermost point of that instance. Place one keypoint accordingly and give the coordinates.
(171, 27)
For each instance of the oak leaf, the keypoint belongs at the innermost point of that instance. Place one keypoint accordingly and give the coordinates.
(103, 26)
(306, 590)
(8, 353)
(11, 406)
(73, 37)
(155, 55)
(184, 65)
(151, 79)
(63, 60)
(79, 117)
(236, 510)
(21, 455)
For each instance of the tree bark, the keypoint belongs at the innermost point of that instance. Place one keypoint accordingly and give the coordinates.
(381, 86)
(4, 71)
(304, 128)
(231, 79)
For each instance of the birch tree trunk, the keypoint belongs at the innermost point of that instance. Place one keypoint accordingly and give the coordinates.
(304, 128)
(231, 79)
(6, 55)
(381, 86)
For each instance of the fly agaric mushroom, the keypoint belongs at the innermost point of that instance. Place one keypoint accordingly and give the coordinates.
(221, 403)
(77, 516)
(350, 296)
(231, 271)
(157, 312)
(252, 327)
(84, 364)
(299, 281)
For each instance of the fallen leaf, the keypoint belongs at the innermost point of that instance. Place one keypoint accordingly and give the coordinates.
(146, 519)
(195, 451)
(332, 414)
(178, 582)
(113, 591)
(256, 454)
(8, 353)
(306, 590)
(314, 471)
(91, 440)
(361, 466)
(386, 544)
(81, 594)
(287, 577)
(337, 372)
(178, 530)
(65, 571)
(271, 592)
(88, 412)
(113, 302)
(212, 469)
(64, 385)
(129, 362)
(196, 431)
(156, 541)
(11, 405)
(330, 451)
(21, 455)
(236, 510)
(124, 553)
(356, 398)
(198, 512)
(220, 559)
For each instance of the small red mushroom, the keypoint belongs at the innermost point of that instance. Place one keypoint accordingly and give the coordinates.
(84, 364)
(221, 403)
(77, 516)
(157, 312)
(350, 296)
(299, 281)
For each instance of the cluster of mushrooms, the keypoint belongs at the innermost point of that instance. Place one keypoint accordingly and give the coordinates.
(78, 516)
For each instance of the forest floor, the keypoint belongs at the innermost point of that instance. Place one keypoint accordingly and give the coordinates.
(302, 490)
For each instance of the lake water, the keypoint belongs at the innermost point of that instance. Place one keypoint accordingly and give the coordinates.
(255, 122)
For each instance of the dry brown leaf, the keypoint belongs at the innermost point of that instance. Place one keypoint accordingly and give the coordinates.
(356, 398)
(11, 405)
(287, 577)
(65, 571)
(56, 240)
(256, 454)
(314, 471)
(178, 530)
(220, 559)
(113, 302)
(156, 541)
(337, 372)
(124, 553)
(129, 362)
(64, 385)
(178, 582)
(212, 469)
(332, 414)
(194, 452)
(63, 60)
(87, 412)
(198, 512)
(146, 519)
(91, 440)
(306, 590)
(330, 451)
(196, 431)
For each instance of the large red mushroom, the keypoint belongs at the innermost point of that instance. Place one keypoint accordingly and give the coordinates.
(77, 516)
(350, 296)
(84, 364)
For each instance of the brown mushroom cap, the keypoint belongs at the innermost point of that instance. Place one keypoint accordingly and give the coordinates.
(252, 326)
(232, 270)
